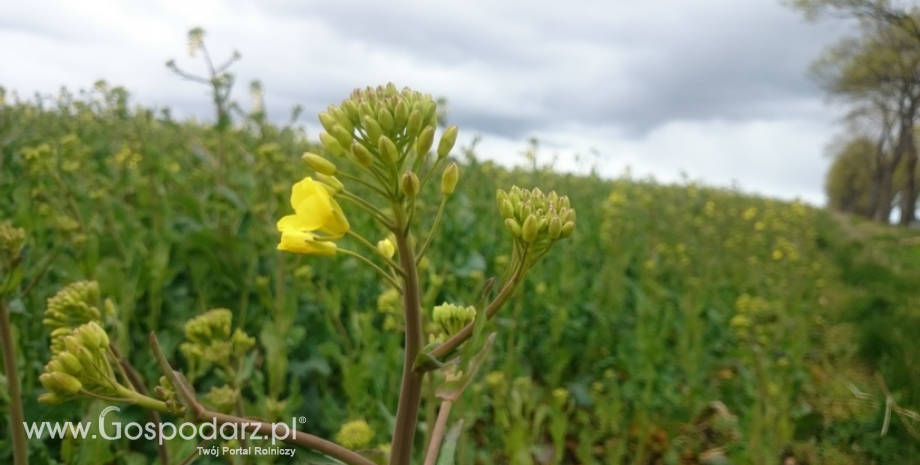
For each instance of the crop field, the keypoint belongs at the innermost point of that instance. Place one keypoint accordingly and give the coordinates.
(679, 324)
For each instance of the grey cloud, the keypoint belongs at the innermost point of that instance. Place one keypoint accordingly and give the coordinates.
(602, 63)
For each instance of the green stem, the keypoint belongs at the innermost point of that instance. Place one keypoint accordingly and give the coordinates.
(454, 342)
(380, 216)
(410, 392)
(374, 248)
(363, 183)
(148, 403)
(17, 417)
(372, 265)
(138, 383)
(434, 228)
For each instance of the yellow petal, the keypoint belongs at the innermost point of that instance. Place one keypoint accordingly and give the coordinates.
(302, 242)
(295, 223)
(303, 189)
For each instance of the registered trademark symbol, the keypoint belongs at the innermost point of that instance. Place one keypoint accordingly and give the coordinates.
(302, 420)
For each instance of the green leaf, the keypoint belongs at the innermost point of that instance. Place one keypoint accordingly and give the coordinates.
(449, 448)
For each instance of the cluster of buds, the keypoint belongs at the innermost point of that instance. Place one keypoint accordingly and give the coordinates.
(378, 129)
(11, 242)
(210, 340)
(453, 318)
(754, 320)
(75, 305)
(166, 392)
(355, 434)
(535, 219)
(223, 398)
(82, 366)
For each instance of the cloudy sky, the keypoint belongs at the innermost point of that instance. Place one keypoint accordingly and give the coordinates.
(715, 89)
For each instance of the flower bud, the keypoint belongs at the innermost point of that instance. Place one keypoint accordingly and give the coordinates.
(414, 123)
(362, 155)
(529, 229)
(501, 196)
(319, 164)
(526, 209)
(100, 335)
(342, 135)
(555, 228)
(328, 121)
(424, 141)
(351, 109)
(85, 357)
(449, 179)
(567, 229)
(401, 114)
(368, 109)
(73, 344)
(69, 363)
(330, 181)
(430, 115)
(342, 119)
(385, 118)
(372, 128)
(448, 139)
(506, 209)
(388, 151)
(512, 226)
(410, 184)
(50, 398)
(386, 248)
(60, 383)
(568, 215)
(331, 144)
(56, 365)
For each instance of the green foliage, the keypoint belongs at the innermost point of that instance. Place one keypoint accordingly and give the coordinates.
(849, 180)
(665, 299)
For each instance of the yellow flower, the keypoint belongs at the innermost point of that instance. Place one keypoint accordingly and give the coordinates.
(314, 211)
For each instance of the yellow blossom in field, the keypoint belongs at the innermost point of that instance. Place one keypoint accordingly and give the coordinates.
(710, 208)
(561, 395)
(314, 211)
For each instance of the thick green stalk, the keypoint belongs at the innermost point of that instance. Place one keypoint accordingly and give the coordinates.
(410, 392)
(17, 417)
